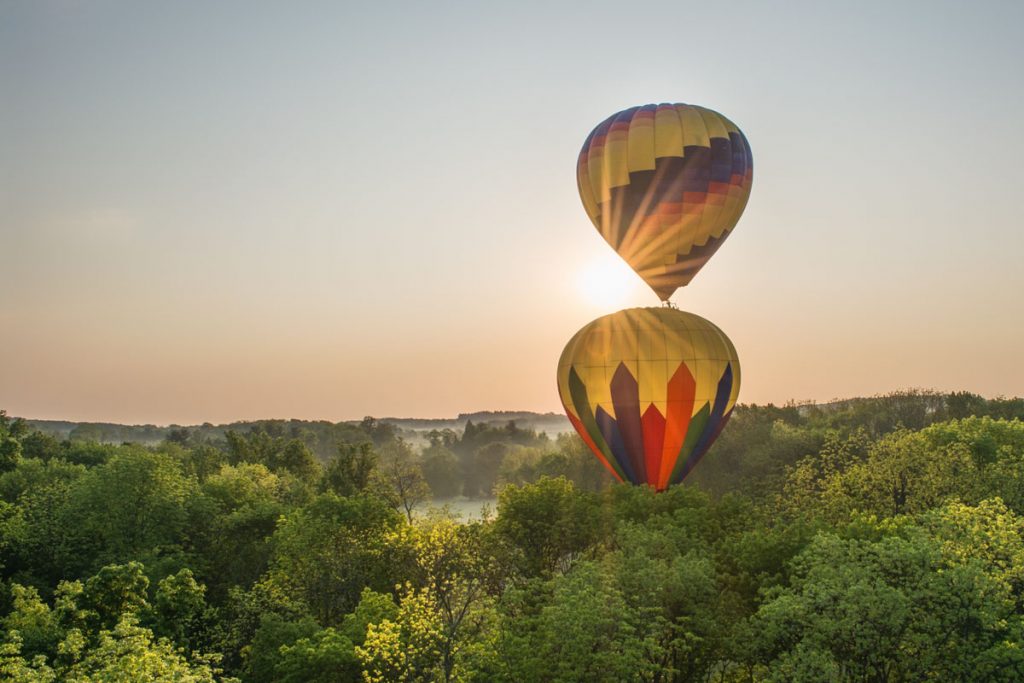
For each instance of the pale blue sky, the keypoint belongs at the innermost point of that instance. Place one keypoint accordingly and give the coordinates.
(215, 211)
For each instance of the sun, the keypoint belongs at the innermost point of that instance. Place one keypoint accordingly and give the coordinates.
(607, 282)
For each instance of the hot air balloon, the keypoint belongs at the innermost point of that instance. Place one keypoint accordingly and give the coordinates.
(664, 184)
(649, 390)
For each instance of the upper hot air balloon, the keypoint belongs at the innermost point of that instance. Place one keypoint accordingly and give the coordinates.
(649, 390)
(664, 184)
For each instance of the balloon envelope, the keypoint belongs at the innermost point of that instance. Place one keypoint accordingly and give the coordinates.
(664, 184)
(649, 390)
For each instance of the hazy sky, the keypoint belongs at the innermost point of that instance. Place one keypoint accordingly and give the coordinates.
(217, 211)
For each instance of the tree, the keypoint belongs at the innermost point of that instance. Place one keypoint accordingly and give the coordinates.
(671, 593)
(583, 632)
(481, 471)
(241, 616)
(92, 634)
(327, 656)
(548, 524)
(380, 432)
(33, 474)
(815, 483)
(445, 438)
(265, 444)
(11, 432)
(582, 468)
(349, 471)
(572, 459)
(15, 668)
(36, 444)
(132, 507)
(232, 522)
(203, 461)
(38, 628)
(989, 534)
(902, 473)
(888, 609)
(263, 654)
(89, 453)
(455, 574)
(328, 551)
(35, 532)
(180, 610)
(441, 471)
(115, 591)
(178, 435)
(299, 460)
(406, 648)
(402, 477)
(129, 652)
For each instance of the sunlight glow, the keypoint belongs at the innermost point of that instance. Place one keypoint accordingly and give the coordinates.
(607, 282)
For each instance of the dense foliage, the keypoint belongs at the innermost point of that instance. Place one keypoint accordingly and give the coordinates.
(873, 540)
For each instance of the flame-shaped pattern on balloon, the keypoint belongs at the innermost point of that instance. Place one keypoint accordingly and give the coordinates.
(664, 184)
(649, 390)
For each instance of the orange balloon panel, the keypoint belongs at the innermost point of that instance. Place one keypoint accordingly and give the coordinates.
(649, 390)
(664, 184)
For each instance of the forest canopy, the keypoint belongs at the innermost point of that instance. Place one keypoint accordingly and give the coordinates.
(876, 539)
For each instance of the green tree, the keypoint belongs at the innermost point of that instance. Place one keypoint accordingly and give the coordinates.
(584, 632)
(11, 432)
(328, 551)
(891, 609)
(348, 473)
(36, 444)
(258, 446)
(115, 591)
(37, 627)
(32, 474)
(132, 507)
(129, 652)
(380, 432)
(548, 525)
(904, 472)
(241, 616)
(405, 648)
(180, 610)
(300, 461)
(15, 668)
(202, 461)
(325, 657)
(232, 520)
(264, 653)
(672, 597)
(483, 467)
(441, 471)
(456, 573)
(401, 477)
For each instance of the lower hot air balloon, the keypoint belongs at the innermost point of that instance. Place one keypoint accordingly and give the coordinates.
(649, 390)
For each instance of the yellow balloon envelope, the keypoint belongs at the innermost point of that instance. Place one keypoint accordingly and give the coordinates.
(664, 184)
(649, 390)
